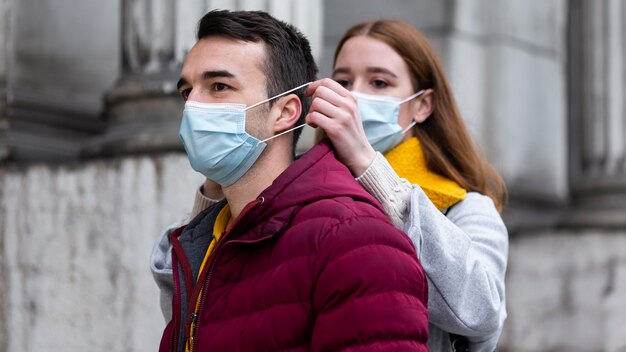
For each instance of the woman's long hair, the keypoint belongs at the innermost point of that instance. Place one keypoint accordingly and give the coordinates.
(447, 144)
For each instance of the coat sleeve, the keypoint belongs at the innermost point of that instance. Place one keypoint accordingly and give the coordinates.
(370, 291)
(392, 191)
(464, 255)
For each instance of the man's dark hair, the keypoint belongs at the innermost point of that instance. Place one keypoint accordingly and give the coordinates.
(289, 62)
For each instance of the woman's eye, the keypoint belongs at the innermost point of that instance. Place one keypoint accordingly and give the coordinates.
(379, 83)
(343, 82)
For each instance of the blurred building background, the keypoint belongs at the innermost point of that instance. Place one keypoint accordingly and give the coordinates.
(92, 169)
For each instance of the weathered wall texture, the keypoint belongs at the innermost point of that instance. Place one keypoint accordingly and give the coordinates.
(566, 292)
(77, 240)
(75, 246)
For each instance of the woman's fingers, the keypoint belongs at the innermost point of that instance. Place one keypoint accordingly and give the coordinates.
(328, 116)
(335, 110)
(335, 98)
(328, 83)
(315, 119)
(310, 89)
(330, 109)
(329, 101)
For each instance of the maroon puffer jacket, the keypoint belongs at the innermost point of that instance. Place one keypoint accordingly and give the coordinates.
(312, 264)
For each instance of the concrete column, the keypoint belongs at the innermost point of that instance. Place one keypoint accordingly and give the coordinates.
(603, 148)
(142, 109)
(4, 151)
(148, 35)
(598, 111)
(59, 57)
(4, 40)
(507, 65)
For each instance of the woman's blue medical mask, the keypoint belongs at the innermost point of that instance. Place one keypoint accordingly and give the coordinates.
(379, 115)
(216, 141)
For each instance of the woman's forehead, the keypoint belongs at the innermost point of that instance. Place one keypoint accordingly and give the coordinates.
(362, 51)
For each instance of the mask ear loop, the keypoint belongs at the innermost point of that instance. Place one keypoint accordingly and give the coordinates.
(409, 126)
(407, 99)
(278, 95)
(283, 132)
(412, 96)
(274, 97)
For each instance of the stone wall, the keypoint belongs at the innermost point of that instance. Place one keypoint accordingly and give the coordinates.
(566, 290)
(75, 243)
(4, 321)
(76, 240)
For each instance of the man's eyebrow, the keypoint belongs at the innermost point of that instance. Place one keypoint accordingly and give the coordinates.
(207, 75)
(217, 74)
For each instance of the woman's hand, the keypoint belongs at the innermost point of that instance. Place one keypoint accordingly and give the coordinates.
(334, 109)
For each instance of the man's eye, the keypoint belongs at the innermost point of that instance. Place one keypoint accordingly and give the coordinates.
(185, 93)
(218, 87)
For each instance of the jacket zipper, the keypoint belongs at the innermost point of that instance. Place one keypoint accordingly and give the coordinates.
(205, 286)
(175, 326)
(217, 250)
(195, 315)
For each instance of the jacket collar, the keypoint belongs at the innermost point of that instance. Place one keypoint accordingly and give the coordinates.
(316, 175)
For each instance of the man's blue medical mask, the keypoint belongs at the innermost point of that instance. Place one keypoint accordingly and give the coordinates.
(379, 115)
(216, 141)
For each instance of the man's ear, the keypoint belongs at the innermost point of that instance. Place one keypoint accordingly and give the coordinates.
(422, 107)
(287, 110)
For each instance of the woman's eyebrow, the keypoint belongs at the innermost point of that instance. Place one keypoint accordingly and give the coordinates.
(376, 69)
(341, 70)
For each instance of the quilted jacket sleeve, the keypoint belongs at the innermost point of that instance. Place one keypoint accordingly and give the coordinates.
(371, 292)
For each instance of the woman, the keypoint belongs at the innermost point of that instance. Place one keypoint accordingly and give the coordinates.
(389, 95)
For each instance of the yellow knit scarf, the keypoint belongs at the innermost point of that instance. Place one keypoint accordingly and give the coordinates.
(408, 160)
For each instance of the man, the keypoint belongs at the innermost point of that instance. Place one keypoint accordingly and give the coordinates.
(298, 256)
